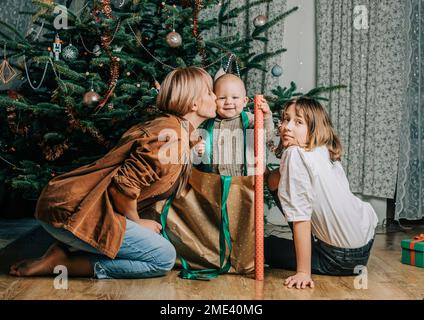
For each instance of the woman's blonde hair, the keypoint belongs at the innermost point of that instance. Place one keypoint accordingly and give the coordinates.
(320, 128)
(181, 88)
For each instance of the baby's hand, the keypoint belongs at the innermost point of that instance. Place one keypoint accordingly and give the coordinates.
(200, 147)
(300, 281)
(263, 104)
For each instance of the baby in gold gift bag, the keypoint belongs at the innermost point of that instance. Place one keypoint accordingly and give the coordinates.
(212, 224)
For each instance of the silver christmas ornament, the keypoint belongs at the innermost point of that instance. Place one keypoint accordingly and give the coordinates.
(173, 39)
(70, 53)
(260, 20)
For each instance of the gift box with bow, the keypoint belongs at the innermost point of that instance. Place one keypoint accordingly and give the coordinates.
(413, 251)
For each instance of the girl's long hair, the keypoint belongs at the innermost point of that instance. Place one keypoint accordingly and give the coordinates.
(320, 128)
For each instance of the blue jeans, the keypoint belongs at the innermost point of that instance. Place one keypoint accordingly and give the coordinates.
(326, 259)
(143, 253)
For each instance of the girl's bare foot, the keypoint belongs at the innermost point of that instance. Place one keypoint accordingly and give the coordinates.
(45, 265)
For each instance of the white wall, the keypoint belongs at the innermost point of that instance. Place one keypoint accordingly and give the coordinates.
(299, 40)
(299, 65)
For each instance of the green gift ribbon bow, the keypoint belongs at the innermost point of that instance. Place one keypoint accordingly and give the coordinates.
(209, 126)
(224, 239)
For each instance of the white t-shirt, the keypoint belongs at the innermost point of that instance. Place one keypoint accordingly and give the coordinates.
(312, 187)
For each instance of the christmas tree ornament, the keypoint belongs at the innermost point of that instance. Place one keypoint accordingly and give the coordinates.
(57, 47)
(7, 73)
(70, 53)
(260, 21)
(277, 71)
(97, 51)
(173, 39)
(219, 73)
(90, 98)
(49, 49)
(138, 85)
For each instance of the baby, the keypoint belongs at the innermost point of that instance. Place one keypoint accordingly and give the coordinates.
(228, 145)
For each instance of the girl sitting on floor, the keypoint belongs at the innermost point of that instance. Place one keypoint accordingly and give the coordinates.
(333, 230)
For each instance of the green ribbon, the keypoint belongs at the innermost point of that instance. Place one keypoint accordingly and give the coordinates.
(224, 239)
(208, 125)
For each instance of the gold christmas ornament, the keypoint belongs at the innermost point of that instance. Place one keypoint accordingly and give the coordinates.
(7, 73)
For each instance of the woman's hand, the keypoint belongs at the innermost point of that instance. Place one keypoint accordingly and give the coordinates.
(150, 224)
(300, 280)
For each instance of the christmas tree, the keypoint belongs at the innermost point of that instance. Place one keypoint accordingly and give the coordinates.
(88, 76)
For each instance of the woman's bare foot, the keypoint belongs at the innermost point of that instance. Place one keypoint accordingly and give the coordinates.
(45, 265)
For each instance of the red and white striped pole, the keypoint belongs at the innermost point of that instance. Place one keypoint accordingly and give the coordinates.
(259, 189)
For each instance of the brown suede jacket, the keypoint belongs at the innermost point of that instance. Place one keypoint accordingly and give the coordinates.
(79, 200)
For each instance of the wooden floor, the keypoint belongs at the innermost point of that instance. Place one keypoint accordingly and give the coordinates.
(387, 279)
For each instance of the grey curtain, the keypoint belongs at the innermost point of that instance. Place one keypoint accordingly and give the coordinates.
(410, 192)
(372, 63)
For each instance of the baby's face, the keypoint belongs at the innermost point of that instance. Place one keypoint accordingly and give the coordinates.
(230, 97)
